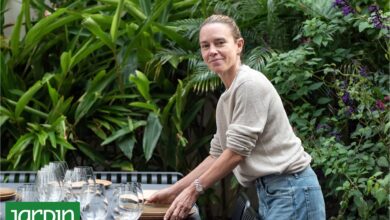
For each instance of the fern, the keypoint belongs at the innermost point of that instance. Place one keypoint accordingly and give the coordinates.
(202, 79)
(258, 58)
(189, 27)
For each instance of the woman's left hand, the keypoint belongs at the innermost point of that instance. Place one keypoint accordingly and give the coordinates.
(182, 205)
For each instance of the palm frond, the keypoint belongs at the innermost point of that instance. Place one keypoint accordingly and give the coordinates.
(203, 80)
(251, 9)
(258, 58)
(173, 56)
(189, 27)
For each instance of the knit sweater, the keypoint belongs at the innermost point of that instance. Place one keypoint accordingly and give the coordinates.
(252, 122)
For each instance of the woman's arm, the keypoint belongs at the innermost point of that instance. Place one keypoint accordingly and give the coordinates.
(220, 168)
(208, 174)
(167, 195)
(190, 178)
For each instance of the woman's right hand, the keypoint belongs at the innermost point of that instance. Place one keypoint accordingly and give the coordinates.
(164, 196)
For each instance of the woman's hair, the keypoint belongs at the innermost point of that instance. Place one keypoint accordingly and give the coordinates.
(224, 20)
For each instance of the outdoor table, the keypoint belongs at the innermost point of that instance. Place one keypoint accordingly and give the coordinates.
(149, 181)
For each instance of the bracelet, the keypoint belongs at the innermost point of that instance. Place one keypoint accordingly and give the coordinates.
(198, 186)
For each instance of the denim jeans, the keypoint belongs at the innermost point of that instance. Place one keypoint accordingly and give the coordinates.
(296, 196)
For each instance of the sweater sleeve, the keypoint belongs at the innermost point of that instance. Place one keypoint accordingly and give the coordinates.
(249, 117)
(215, 147)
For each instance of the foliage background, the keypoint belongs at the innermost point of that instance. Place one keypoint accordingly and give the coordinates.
(120, 85)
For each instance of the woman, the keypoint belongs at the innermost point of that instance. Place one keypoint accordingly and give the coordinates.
(254, 139)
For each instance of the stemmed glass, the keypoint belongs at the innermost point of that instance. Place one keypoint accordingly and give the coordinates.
(93, 202)
(75, 180)
(49, 186)
(141, 199)
(69, 191)
(59, 167)
(85, 175)
(128, 201)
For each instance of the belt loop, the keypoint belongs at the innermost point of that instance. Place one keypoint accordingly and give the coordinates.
(262, 182)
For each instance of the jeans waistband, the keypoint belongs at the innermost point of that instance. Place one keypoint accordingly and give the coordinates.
(262, 180)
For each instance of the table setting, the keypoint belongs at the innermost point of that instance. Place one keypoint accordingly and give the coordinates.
(99, 199)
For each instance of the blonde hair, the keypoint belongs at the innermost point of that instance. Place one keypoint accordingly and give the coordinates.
(224, 20)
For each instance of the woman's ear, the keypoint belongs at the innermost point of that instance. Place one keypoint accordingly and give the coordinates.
(240, 45)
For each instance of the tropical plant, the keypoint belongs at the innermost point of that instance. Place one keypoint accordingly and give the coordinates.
(81, 95)
(120, 84)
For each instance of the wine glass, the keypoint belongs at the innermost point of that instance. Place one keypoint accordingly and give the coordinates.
(93, 202)
(85, 173)
(59, 167)
(48, 185)
(140, 195)
(129, 205)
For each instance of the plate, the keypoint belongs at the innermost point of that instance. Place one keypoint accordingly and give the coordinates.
(7, 197)
(6, 191)
(105, 183)
(157, 211)
(7, 194)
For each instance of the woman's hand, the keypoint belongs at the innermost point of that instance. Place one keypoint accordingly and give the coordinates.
(164, 196)
(182, 205)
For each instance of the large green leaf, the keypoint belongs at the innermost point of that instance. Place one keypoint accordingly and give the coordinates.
(116, 21)
(65, 62)
(15, 36)
(126, 144)
(151, 135)
(47, 25)
(142, 83)
(130, 7)
(172, 33)
(98, 32)
(93, 93)
(147, 106)
(37, 148)
(88, 47)
(157, 10)
(59, 109)
(3, 119)
(123, 131)
(20, 145)
(26, 97)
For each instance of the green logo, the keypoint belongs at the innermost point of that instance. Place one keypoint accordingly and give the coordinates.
(42, 211)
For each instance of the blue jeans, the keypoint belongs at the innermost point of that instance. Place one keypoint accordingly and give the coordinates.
(294, 196)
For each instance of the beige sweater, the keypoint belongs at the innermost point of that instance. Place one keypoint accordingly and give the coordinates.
(252, 122)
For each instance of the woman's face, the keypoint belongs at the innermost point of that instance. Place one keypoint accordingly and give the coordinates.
(220, 51)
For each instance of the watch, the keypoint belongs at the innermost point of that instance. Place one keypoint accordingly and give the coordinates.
(198, 186)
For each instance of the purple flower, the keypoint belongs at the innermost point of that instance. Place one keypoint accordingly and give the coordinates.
(373, 8)
(346, 98)
(345, 7)
(376, 18)
(347, 10)
(351, 110)
(380, 105)
(338, 3)
(377, 22)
